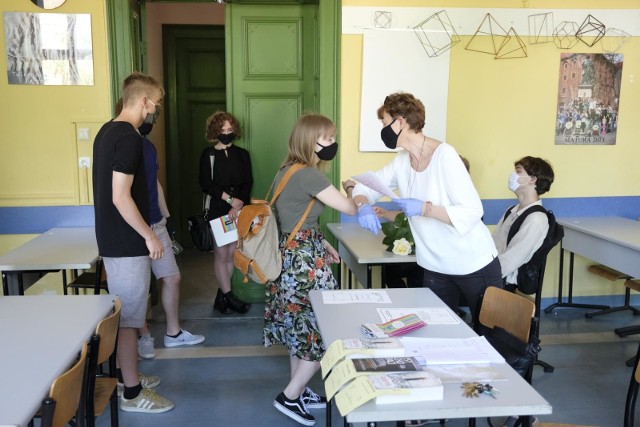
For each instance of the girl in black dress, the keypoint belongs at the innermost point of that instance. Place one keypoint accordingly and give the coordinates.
(229, 189)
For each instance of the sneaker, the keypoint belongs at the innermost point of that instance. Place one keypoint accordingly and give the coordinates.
(313, 400)
(185, 338)
(146, 381)
(294, 409)
(146, 350)
(147, 401)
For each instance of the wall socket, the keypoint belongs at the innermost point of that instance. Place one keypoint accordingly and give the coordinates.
(84, 162)
(83, 134)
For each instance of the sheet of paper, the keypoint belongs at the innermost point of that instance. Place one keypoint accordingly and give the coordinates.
(437, 351)
(356, 297)
(370, 180)
(480, 373)
(429, 315)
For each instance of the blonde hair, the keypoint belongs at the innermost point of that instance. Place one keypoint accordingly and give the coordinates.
(138, 85)
(302, 142)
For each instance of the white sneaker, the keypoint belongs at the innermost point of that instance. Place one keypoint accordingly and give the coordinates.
(146, 349)
(185, 338)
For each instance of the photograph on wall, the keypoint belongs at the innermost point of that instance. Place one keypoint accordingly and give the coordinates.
(588, 98)
(48, 48)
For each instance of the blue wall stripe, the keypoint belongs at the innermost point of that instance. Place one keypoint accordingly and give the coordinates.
(36, 220)
(624, 206)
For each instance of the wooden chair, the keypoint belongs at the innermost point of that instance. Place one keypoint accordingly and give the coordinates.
(101, 387)
(96, 280)
(64, 396)
(614, 275)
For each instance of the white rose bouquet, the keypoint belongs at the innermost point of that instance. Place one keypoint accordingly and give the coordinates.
(398, 237)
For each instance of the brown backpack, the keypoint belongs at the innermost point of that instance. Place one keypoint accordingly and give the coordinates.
(258, 253)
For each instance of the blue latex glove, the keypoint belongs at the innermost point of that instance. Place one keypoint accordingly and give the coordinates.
(368, 219)
(410, 207)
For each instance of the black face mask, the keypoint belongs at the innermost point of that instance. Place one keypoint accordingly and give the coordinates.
(389, 137)
(327, 153)
(145, 129)
(226, 138)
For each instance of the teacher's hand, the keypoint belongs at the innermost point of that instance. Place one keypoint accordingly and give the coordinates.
(410, 207)
(368, 219)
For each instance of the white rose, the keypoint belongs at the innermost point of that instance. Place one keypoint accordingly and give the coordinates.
(401, 247)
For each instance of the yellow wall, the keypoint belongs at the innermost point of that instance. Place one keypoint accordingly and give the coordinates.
(501, 110)
(38, 146)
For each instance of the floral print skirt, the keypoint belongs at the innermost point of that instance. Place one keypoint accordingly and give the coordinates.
(288, 317)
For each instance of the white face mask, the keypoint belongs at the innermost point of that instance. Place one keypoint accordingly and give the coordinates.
(513, 182)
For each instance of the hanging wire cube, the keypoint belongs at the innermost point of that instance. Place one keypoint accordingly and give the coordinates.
(591, 31)
(614, 39)
(564, 35)
(436, 34)
(541, 28)
(382, 19)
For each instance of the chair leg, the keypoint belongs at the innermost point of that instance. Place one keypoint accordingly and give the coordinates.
(626, 306)
(545, 366)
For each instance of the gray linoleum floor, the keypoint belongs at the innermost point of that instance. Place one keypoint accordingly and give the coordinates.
(231, 380)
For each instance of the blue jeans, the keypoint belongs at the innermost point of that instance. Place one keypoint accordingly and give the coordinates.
(450, 287)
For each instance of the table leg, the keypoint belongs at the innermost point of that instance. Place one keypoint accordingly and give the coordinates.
(5, 284)
(369, 271)
(570, 303)
(20, 284)
(328, 413)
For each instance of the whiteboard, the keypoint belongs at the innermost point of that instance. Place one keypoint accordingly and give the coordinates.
(395, 61)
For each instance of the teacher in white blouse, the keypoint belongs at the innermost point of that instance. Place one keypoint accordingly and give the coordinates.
(453, 246)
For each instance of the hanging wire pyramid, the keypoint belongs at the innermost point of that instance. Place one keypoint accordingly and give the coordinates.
(492, 44)
(436, 34)
(512, 47)
(614, 40)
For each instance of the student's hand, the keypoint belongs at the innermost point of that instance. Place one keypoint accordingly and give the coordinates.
(380, 212)
(331, 256)
(237, 203)
(348, 183)
(410, 207)
(156, 250)
(368, 219)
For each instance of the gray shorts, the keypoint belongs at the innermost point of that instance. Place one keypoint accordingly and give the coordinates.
(129, 278)
(165, 266)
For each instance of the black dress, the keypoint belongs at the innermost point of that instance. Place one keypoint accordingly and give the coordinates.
(231, 174)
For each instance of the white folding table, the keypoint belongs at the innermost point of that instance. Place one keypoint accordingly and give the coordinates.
(41, 337)
(340, 321)
(62, 248)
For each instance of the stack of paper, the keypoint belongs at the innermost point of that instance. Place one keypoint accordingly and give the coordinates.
(393, 328)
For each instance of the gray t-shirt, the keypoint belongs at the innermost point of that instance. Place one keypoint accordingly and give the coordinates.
(301, 188)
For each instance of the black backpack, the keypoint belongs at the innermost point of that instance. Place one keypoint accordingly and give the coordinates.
(529, 273)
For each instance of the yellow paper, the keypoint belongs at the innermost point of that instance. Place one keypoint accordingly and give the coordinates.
(341, 374)
(358, 392)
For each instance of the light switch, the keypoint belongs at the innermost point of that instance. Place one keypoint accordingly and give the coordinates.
(83, 134)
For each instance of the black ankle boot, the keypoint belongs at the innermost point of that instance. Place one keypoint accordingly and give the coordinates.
(236, 303)
(221, 304)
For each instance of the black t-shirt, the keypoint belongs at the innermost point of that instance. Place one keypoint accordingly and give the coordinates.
(118, 147)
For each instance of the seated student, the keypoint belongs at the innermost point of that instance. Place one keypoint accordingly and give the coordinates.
(533, 176)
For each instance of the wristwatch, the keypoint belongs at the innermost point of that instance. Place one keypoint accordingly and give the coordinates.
(360, 204)
(230, 200)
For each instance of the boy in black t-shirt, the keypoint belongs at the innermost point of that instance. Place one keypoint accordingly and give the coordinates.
(125, 240)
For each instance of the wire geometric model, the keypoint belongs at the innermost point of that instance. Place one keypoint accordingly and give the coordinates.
(541, 28)
(491, 45)
(564, 35)
(436, 34)
(513, 47)
(382, 19)
(614, 39)
(591, 31)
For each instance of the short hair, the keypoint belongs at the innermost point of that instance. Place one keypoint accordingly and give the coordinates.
(541, 169)
(215, 122)
(302, 141)
(405, 105)
(138, 85)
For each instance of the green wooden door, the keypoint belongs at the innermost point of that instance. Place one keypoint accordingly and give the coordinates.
(272, 76)
(195, 88)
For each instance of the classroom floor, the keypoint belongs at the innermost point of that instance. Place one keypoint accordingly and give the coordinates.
(231, 379)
